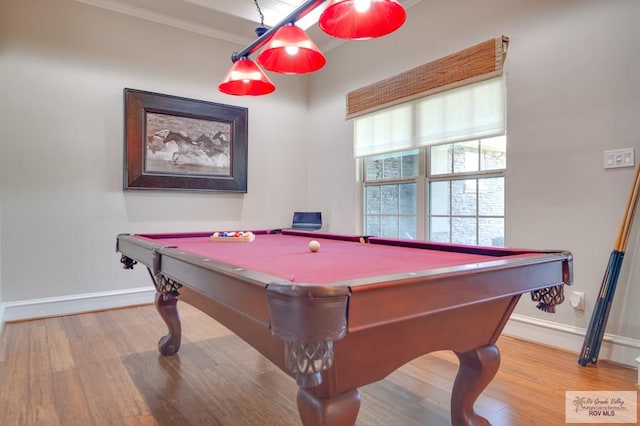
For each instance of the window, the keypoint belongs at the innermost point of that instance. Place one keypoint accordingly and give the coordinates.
(431, 144)
(458, 197)
(466, 192)
(390, 194)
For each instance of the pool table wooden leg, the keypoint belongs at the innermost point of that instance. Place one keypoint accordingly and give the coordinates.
(339, 411)
(166, 304)
(477, 368)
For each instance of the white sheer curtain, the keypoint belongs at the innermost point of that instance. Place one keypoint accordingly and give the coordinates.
(473, 111)
(384, 131)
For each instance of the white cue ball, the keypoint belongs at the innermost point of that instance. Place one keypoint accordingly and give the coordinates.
(314, 245)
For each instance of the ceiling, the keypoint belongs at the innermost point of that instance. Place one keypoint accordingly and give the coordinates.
(230, 20)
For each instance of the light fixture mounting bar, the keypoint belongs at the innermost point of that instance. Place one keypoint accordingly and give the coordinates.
(294, 16)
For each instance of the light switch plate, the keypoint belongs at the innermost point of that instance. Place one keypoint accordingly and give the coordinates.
(616, 158)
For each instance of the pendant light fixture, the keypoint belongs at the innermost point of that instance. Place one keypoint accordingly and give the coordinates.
(361, 19)
(246, 78)
(291, 51)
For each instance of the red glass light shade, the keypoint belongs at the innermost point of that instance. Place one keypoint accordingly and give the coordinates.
(362, 19)
(291, 51)
(246, 78)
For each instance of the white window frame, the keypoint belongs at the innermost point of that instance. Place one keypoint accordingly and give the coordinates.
(422, 181)
(453, 176)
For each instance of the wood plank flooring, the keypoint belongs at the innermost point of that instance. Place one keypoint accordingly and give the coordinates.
(104, 369)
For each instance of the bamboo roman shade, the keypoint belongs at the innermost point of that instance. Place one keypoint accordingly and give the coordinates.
(480, 62)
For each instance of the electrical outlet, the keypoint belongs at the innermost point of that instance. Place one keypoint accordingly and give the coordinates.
(576, 300)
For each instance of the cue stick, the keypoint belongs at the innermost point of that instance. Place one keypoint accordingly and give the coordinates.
(595, 332)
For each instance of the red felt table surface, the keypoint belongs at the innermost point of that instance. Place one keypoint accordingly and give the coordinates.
(289, 257)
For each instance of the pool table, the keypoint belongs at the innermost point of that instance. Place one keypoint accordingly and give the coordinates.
(352, 312)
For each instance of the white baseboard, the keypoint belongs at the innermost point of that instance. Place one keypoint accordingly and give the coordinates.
(618, 349)
(614, 348)
(75, 304)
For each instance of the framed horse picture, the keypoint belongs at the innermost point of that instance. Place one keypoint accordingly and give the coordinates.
(174, 143)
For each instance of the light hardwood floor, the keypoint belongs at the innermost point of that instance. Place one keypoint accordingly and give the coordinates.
(104, 369)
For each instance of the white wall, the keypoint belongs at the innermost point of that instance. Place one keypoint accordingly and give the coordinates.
(63, 67)
(573, 92)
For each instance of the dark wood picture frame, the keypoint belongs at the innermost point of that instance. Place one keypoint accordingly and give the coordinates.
(174, 143)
